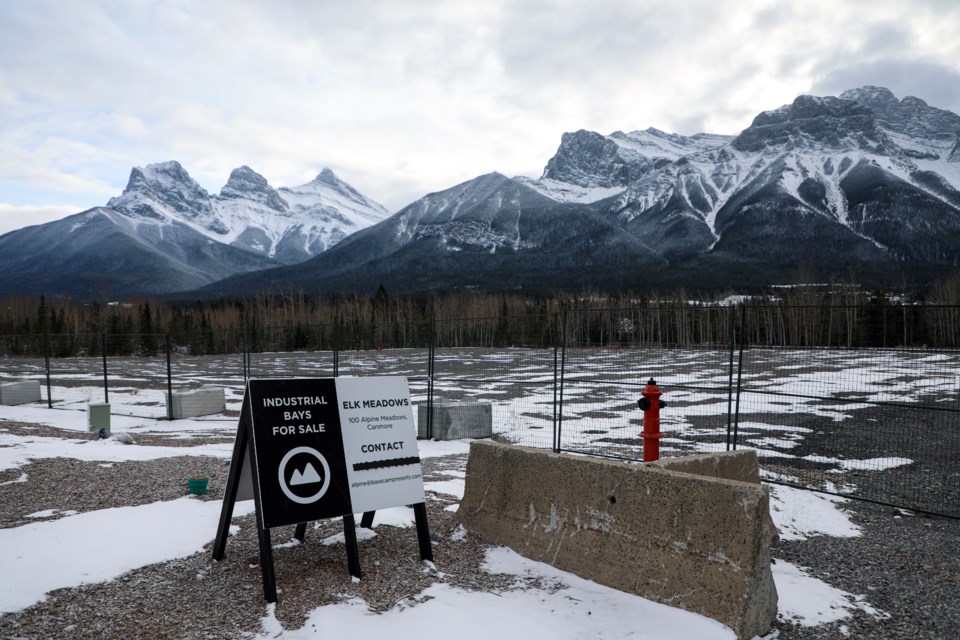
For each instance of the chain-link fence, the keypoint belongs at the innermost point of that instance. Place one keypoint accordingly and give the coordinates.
(814, 390)
(520, 381)
(608, 357)
(861, 402)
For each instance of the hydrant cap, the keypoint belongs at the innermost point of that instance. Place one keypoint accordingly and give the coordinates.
(651, 381)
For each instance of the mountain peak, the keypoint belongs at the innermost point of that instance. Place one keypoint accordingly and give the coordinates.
(244, 176)
(159, 174)
(329, 185)
(870, 94)
(328, 177)
(910, 116)
(162, 189)
(245, 183)
(812, 120)
(589, 159)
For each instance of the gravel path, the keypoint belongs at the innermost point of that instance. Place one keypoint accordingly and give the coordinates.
(905, 566)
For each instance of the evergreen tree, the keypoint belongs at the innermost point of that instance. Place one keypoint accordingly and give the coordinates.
(148, 340)
(43, 317)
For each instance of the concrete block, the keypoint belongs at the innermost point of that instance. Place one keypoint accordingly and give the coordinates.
(456, 420)
(698, 542)
(12, 393)
(739, 465)
(98, 417)
(198, 402)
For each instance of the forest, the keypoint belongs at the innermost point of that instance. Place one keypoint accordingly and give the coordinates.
(835, 315)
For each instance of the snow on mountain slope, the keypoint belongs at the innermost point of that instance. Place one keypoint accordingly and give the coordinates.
(589, 167)
(802, 151)
(567, 192)
(656, 144)
(288, 225)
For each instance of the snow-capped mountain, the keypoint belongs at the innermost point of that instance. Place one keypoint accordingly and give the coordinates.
(862, 177)
(288, 225)
(490, 231)
(166, 233)
(861, 185)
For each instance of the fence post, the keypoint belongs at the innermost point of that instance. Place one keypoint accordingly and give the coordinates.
(106, 385)
(247, 355)
(736, 415)
(46, 360)
(733, 334)
(563, 367)
(169, 379)
(556, 376)
(431, 364)
(336, 345)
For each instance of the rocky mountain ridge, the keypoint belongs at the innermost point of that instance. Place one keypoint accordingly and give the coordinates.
(167, 233)
(288, 224)
(860, 185)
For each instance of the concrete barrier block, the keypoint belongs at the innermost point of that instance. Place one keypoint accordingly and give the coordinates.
(197, 402)
(12, 393)
(698, 542)
(456, 420)
(738, 465)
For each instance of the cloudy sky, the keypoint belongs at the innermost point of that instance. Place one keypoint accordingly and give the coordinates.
(405, 97)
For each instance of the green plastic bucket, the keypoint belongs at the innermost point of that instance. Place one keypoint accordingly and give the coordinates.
(198, 486)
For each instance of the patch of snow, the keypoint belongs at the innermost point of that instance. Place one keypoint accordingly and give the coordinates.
(566, 192)
(800, 514)
(810, 602)
(38, 558)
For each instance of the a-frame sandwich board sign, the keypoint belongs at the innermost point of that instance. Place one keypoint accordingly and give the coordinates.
(313, 448)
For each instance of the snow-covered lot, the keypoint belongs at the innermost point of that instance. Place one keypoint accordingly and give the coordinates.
(880, 424)
(98, 539)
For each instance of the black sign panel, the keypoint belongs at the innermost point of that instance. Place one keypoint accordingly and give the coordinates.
(299, 450)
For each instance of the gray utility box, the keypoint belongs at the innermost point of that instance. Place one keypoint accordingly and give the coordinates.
(19, 392)
(199, 402)
(456, 420)
(98, 417)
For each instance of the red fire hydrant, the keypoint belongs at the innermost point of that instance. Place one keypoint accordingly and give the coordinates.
(651, 404)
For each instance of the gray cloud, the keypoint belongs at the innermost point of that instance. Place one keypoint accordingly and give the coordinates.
(403, 97)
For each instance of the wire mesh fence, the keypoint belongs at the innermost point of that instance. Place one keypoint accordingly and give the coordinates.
(519, 381)
(608, 357)
(812, 390)
(856, 401)
(876, 424)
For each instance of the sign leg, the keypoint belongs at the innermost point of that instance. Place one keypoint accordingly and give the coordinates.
(353, 553)
(367, 520)
(266, 564)
(423, 531)
(230, 493)
(300, 532)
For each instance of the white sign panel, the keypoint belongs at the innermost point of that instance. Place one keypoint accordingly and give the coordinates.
(379, 443)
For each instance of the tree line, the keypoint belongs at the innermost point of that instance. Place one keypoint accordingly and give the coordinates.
(836, 315)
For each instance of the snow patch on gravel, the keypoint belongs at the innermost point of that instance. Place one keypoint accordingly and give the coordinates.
(800, 514)
(810, 602)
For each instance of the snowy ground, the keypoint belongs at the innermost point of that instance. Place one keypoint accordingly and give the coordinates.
(815, 417)
(57, 551)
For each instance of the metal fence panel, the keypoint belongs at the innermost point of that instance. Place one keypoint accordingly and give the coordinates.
(610, 354)
(519, 381)
(857, 401)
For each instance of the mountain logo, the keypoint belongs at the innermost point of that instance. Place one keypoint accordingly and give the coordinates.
(308, 476)
(300, 486)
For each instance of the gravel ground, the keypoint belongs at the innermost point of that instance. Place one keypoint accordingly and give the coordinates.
(905, 566)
